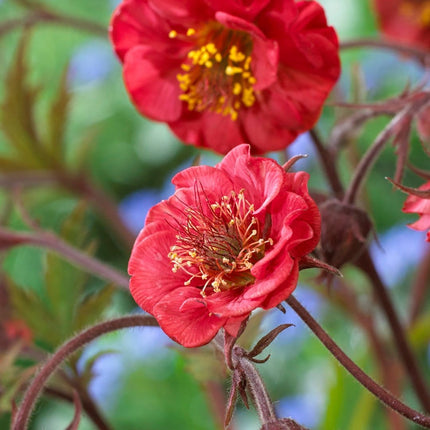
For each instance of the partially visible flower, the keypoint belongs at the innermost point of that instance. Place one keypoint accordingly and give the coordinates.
(229, 240)
(420, 203)
(407, 21)
(221, 72)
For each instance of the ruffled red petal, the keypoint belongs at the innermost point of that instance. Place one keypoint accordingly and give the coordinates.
(150, 77)
(184, 316)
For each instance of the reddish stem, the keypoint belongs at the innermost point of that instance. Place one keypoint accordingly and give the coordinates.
(365, 263)
(48, 368)
(387, 398)
(420, 54)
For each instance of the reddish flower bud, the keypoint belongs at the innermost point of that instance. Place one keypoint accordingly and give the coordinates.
(344, 231)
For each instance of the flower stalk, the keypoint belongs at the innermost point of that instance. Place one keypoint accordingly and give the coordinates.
(24, 410)
(383, 395)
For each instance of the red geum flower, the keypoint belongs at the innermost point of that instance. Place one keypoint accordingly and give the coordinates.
(220, 72)
(229, 240)
(405, 20)
(419, 202)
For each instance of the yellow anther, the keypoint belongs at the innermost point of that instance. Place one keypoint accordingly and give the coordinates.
(232, 70)
(252, 80)
(211, 48)
(425, 14)
(233, 114)
(172, 34)
(186, 67)
(191, 31)
(247, 63)
(209, 64)
(218, 57)
(203, 58)
(237, 88)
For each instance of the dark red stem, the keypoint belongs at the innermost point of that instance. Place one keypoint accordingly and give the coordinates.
(387, 398)
(410, 364)
(48, 368)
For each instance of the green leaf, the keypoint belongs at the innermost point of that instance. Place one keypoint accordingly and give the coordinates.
(64, 282)
(17, 109)
(57, 118)
(93, 306)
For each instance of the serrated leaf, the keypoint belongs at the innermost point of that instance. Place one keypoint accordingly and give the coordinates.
(17, 109)
(83, 148)
(57, 118)
(64, 282)
(91, 309)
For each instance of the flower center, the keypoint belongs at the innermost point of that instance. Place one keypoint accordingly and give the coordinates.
(217, 73)
(219, 244)
(418, 10)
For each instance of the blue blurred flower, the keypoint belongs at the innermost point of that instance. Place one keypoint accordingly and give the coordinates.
(304, 409)
(91, 62)
(310, 300)
(400, 249)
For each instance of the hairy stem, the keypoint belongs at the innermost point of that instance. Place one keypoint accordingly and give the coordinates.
(368, 159)
(74, 255)
(420, 54)
(48, 368)
(87, 403)
(327, 161)
(365, 263)
(387, 398)
(256, 387)
(420, 287)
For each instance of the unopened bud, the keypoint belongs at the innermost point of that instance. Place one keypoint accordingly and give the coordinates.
(344, 232)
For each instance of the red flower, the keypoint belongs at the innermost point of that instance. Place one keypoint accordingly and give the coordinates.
(405, 20)
(228, 241)
(420, 204)
(219, 72)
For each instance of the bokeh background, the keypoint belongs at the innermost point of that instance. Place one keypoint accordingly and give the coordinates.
(139, 378)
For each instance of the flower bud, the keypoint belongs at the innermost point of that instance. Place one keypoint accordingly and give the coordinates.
(344, 232)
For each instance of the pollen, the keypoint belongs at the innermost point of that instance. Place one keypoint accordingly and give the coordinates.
(218, 245)
(217, 73)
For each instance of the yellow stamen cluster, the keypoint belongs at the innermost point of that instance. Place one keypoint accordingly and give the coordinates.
(419, 11)
(217, 75)
(219, 244)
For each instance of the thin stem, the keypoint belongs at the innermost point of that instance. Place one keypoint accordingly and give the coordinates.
(54, 243)
(387, 398)
(419, 54)
(389, 371)
(88, 405)
(53, 18)
(80, 186)
(256, 388)
(365, 263)
(419, 287)
(368, 159)
(328, 164)
(48, 368)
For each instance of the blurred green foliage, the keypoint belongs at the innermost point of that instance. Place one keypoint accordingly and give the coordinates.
(63, 84)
